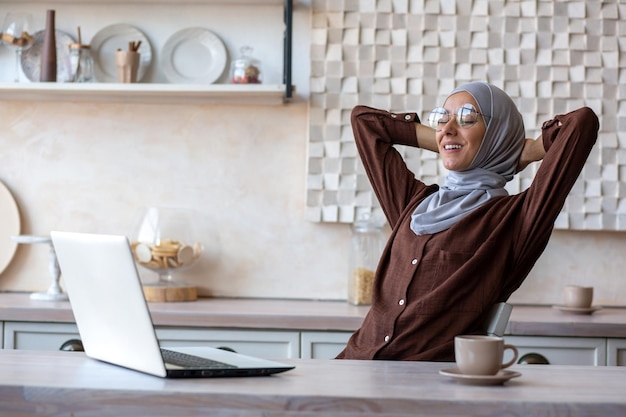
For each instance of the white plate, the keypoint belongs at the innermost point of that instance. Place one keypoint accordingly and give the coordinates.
(9, 226)
(110, 39)
(577, 310)
(31, 58)
(193, 56)
(497, 379)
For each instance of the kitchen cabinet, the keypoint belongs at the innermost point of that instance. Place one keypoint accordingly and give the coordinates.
(311, 344)
(38, 336)
(616, 352)
(161, 92)
(561, 350)
(269, 344)
(265, 344)
(322, 345)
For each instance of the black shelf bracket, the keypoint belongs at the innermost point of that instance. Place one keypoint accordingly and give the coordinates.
(287, 48)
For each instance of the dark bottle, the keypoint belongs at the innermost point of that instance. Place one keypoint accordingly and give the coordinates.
(48, 70)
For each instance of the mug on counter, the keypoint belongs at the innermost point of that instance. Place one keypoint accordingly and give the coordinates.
(482, 355)
(577, 296)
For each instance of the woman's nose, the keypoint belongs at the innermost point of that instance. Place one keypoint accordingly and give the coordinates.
(450, 126)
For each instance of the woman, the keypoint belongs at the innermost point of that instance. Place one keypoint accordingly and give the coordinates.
(457, 250)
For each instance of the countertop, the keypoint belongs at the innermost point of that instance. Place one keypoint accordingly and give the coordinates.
(313, 315)
(69, 383)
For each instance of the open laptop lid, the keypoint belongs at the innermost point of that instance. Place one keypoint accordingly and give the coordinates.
(107, 299)
(112, 315)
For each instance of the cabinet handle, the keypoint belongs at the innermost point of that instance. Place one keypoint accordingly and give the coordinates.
(229, 349)
(533, 359)
(72, 345)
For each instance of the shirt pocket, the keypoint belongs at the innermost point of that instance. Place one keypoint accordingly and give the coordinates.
(453, 281)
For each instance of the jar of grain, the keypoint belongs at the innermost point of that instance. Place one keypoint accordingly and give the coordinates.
(367, 244)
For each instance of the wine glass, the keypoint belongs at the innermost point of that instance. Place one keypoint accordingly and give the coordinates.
(15, 35)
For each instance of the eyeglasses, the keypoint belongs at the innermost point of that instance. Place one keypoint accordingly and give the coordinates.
(466, 116)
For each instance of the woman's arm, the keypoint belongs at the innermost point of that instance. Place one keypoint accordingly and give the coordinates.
(533, 151)
(375, 133)
(426, 138)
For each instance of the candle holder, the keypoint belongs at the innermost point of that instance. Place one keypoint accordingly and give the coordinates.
(54, 292)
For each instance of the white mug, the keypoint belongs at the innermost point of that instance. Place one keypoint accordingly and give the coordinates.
(577, 296)
(482, 355)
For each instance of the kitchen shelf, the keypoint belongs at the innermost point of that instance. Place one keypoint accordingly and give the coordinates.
(254, 94)
(177, 2)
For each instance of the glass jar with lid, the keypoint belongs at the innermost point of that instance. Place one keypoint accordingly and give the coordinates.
(367, 244)
(81, 63)
(245, 69)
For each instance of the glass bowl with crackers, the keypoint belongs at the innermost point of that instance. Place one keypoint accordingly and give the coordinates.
(165, 241)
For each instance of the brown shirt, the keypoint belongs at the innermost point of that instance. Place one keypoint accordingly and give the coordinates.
(431, 288)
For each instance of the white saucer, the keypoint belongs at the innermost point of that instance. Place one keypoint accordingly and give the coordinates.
(577, 310)
(497, 379)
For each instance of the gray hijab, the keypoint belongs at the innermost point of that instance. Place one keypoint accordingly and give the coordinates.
(493, 166)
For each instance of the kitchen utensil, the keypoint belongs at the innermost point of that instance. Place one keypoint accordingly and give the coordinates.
(108, 40)
(127, 64)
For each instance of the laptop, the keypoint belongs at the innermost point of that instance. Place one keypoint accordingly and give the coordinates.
(113, 318)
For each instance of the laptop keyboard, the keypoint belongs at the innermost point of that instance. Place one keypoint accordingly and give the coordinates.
(192, 361)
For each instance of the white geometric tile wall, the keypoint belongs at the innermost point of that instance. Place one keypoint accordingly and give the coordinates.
(407, 55)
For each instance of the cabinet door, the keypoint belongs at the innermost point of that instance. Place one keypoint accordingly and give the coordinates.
(38, 336)
(323, 345)
(260, 343)
(616, 352)
(560, 350)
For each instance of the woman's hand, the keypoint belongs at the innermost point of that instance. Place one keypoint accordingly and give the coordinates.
(533, 151)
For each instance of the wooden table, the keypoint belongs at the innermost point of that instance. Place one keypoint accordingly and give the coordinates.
(69, 384)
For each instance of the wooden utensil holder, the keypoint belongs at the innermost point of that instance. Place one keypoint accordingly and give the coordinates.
(127, 64)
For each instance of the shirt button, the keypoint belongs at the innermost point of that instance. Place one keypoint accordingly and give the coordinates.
(401, 302)
(407, 117)
(414, 261)
(387, 338)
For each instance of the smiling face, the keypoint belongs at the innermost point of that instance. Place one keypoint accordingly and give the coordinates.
(459, 145)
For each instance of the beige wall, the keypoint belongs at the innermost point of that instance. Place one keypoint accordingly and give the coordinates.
(91, 167)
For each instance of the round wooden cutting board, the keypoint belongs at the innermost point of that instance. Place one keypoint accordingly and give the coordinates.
(9, 226)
